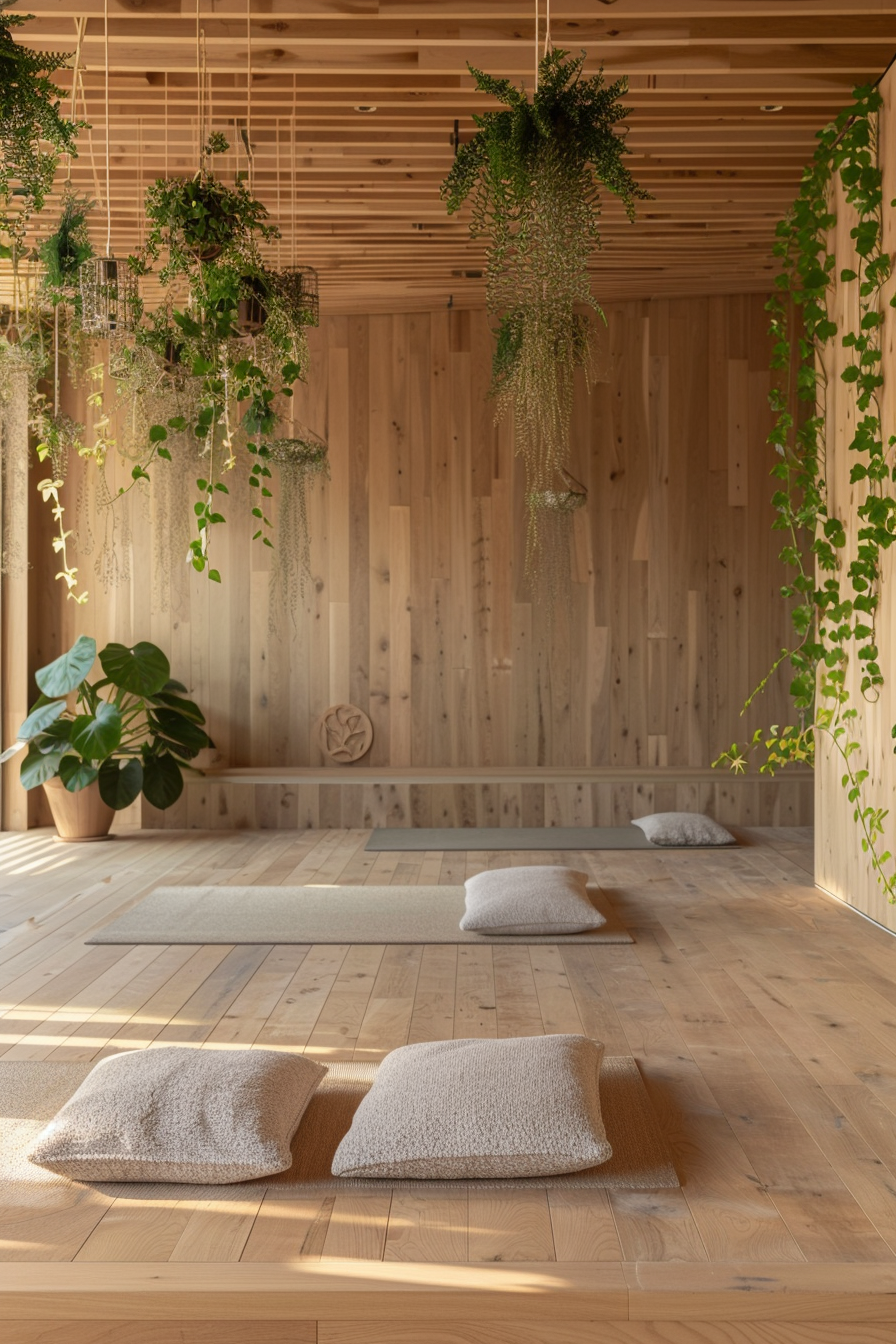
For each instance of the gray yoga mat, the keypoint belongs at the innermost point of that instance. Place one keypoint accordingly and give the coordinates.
(321, 915)
(33, 1092)
(510, 837)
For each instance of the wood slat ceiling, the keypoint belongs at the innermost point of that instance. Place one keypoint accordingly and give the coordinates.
(357, 195)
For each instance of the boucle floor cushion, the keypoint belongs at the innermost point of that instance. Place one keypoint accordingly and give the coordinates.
(204, 1117)
(536, 899)
(472, 1109)
(683, 828)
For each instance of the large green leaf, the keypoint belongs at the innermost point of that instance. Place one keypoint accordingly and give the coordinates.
(120, 782)
(180, 729)
(57, 737)
(76, 774)
(40, 718)
(97, 736)
(162, 781)
(168, 700)
(142, 669)
(38, 767)
(63, 675)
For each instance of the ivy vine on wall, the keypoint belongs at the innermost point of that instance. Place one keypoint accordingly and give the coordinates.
(836, 593)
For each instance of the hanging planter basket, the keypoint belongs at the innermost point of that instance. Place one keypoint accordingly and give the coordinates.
(109, 302)
(297, 293)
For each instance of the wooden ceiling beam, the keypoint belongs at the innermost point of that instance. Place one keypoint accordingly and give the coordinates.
(358, 196)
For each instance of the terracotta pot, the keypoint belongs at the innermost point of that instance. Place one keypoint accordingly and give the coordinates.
(80, 816)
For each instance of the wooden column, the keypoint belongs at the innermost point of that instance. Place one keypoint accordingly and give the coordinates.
(16, 806)
(840, 865)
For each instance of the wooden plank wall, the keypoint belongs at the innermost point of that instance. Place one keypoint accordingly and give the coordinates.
(841, 867)
(419, 611)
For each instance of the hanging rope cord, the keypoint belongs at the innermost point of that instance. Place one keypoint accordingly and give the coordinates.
(106, 101)
(547, 33)
(80, 29)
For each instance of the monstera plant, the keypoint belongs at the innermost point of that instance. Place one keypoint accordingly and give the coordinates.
(131, 731)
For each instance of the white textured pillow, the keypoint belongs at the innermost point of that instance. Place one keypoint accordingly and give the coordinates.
(683, 828)
(204, 1117)
(536, 899)
(449, 1110)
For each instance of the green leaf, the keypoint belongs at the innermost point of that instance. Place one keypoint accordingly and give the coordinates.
(179, 704)
(157, 433)
(97, 736)
(142, 669)
(65, 674)
(120, 782)
(162, 781)
(180, 729)
(40, 718)
(38, 767)
(76, 774)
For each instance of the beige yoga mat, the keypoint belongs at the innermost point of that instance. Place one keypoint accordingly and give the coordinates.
(321, 915)
(508, 837)
(34, 1091)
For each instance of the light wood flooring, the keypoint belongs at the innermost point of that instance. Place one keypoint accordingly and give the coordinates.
(762, 1012)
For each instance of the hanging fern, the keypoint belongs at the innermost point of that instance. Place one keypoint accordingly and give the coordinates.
(65, 250)
(534, 172)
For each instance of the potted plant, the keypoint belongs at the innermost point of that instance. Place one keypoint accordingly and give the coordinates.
(199, 219)
(132, 731)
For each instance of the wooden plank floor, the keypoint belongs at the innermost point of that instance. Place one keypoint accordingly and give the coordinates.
(762, 1012)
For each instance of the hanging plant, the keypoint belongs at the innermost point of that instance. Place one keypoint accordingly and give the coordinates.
(534, 172)
(301, 460)
(237, 339)
(64, 252)
(835, 602)
(33, 133)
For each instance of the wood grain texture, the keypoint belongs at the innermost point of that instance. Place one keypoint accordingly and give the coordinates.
(419, 613)
(759, 1010)
(842, 868)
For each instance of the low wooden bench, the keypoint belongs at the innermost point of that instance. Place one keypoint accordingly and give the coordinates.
(360, 796)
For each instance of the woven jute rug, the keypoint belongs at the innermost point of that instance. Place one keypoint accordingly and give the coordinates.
(322, 915)
(34, 1091)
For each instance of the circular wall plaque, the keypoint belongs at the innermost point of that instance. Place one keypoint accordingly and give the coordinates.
(345, 733)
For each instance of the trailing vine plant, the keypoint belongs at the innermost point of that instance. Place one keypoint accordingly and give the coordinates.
(33, 133)
(836, 594)
(534, 172)
(238, 342)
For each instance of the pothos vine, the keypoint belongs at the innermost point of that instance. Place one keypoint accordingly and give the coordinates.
(836, 599)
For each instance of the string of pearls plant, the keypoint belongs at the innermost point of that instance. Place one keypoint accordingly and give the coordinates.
(534, 173)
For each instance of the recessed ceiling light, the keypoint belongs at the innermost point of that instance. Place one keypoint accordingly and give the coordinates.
(771, 107)
(365, 107)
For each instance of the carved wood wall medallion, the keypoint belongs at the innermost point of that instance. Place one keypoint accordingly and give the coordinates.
(345, 733)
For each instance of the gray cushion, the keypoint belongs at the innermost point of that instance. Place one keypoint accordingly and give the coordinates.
(177, 1114)
(453, 1110)
(536, 899)
(683, 828)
